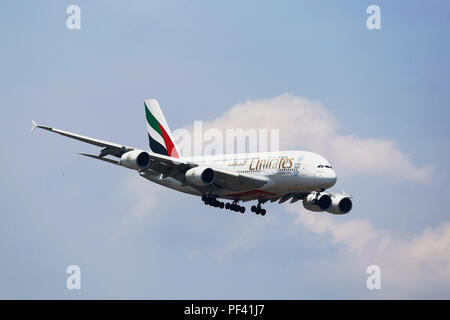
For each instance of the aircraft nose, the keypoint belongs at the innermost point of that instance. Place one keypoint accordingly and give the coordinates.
(333, 177)
(330, 179)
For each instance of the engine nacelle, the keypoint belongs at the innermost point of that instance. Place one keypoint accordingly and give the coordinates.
(317, 202)
(135, 159)
(200, 176)
(340, 204)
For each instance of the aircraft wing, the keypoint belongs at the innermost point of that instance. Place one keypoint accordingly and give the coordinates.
(111, 148)
(233, 181)
(165, 165)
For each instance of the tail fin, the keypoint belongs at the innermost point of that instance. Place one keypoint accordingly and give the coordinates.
(159, 134)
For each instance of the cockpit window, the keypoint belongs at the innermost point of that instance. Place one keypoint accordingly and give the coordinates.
(324, 166)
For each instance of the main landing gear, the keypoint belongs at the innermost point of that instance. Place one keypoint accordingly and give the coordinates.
(235, 207)
(258, 210)
(212, 201)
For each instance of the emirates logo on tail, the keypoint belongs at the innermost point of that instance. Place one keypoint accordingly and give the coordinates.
(159, 134)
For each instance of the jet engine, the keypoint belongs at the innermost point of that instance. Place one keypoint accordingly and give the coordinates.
(317, 201)
(135, 159)
(200, 176)
(340, 204)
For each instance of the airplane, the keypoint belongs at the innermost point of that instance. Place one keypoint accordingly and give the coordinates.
(261, 177)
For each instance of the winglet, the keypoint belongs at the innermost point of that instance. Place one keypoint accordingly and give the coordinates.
(33, 125)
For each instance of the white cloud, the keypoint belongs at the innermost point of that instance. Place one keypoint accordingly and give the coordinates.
(413, 265)
(307, 125)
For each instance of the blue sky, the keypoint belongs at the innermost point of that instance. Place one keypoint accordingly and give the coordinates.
(199, 59)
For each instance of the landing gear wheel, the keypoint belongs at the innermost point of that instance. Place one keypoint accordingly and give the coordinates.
(221, 205)
(257, 209)
(234, 206)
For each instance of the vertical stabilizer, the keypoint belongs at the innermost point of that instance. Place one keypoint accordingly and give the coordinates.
(159, 135)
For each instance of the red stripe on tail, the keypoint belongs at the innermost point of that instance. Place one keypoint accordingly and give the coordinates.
(171, 150)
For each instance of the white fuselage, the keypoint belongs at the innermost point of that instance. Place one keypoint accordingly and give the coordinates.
(286, 171)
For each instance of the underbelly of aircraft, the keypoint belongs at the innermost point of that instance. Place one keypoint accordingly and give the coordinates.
(276, 188)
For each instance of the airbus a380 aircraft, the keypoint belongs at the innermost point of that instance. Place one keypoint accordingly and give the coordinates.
(272, 176)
